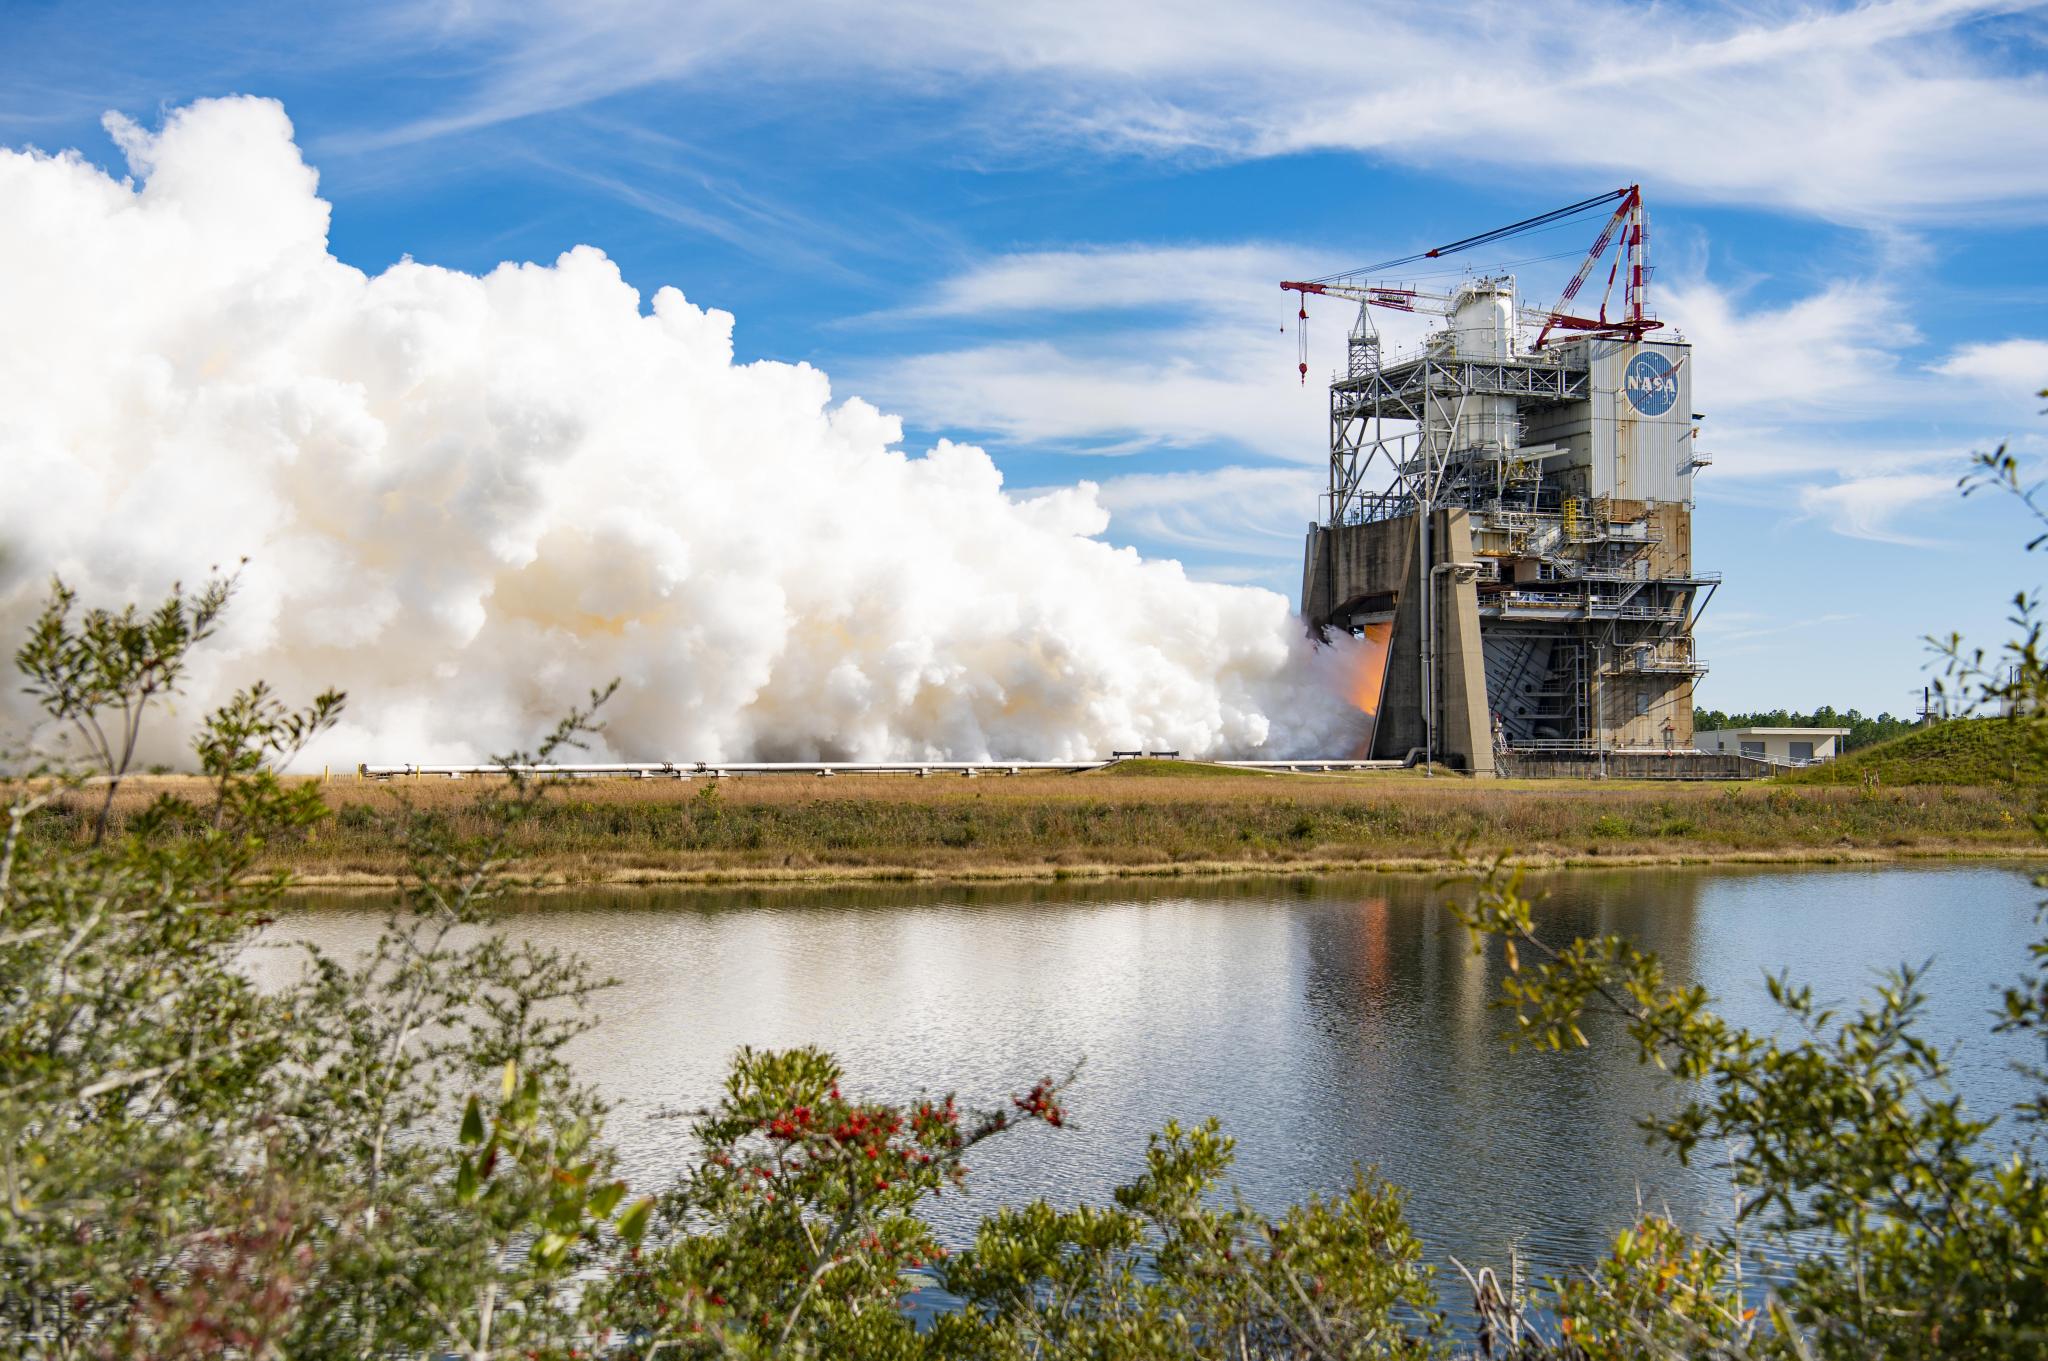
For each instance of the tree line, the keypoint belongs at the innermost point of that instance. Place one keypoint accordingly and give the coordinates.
(1863, 730)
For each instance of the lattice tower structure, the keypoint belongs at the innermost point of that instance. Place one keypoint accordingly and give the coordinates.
(1562, 475)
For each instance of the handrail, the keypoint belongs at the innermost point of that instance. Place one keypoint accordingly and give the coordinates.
(684, 770)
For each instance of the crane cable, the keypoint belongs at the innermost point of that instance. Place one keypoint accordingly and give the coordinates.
(1527, 224)
(1487, 238)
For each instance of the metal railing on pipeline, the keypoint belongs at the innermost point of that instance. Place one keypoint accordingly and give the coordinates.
(1785, 762)
(1657, 664)
(687, 770)
(1442, 347)
(1586, 746)
(1578, 760)
(1556, 603)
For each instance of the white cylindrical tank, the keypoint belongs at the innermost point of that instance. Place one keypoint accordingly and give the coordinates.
(1489, 424)
(1483, 319)
(1473, 423)
(1483, 330)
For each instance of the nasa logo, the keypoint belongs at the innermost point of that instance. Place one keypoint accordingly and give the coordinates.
(1651, 383)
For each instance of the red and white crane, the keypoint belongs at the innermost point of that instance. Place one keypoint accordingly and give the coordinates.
(1630, 267)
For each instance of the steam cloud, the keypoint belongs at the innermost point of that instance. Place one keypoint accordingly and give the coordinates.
(466, 500)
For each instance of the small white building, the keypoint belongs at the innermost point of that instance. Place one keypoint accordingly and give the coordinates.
(1784, 746)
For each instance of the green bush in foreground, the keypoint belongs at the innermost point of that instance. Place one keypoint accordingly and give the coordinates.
(390, 1157)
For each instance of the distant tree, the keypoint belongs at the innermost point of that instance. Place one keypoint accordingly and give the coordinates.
(1862, 730)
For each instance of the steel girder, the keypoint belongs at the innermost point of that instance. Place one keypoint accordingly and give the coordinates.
(1414, 463)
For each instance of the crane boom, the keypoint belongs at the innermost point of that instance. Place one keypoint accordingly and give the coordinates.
(1571, 290)
(1626, 220)
(1629, 213)
(1391, 296)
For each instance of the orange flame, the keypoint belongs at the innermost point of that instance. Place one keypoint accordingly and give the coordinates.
(1369, 672)
(1368, 679)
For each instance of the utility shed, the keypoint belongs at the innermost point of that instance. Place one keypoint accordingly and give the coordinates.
(1784, 746)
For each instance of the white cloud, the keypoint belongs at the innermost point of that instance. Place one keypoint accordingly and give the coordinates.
(1817, 387)
(1171, 389)
(1772, 452)
(1868, 507)
(1805, 397)
(1240, 281)
(1885, 110)
(2011, 367)
(1831, 351)
(1876, 109)
(1204, 351)
(1263, 512)
(1195, 347)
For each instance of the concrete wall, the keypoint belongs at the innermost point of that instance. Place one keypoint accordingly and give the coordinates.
(1466, 727)
(1353, 570)
(1651, 712)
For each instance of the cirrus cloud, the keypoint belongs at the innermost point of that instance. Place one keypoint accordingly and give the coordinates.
(1903, 110)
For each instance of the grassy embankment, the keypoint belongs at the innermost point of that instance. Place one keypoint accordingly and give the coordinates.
(1984, 751)
(1163, 818)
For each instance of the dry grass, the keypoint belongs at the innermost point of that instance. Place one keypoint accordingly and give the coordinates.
(767, 829)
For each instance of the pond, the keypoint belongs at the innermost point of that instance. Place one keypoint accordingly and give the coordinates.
(1327, 1022)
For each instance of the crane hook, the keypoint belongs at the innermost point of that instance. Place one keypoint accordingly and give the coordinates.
(1301, 338)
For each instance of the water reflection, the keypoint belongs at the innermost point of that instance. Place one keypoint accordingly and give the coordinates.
(1498, 1149)
(1327, 1022)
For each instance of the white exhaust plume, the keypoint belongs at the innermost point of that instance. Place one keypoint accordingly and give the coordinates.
(466, 500)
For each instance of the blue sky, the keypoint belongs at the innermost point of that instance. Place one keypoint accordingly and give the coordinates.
(1056, 231)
